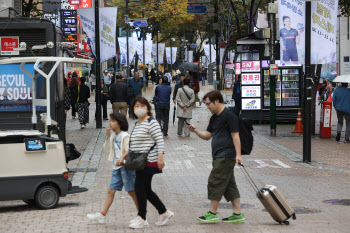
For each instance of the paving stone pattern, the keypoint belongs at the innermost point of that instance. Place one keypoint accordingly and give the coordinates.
(182, 185)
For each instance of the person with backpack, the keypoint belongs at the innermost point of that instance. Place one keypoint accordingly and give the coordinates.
(73, 89)
(162, 93)
(223, 129)
(237, 95)
(185, 98)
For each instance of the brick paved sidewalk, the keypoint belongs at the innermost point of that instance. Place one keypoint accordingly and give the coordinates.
(182, 187)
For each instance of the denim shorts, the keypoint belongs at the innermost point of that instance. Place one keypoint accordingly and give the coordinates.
(123, 177)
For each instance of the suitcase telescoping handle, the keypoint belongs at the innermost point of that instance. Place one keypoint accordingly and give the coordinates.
(250, 180)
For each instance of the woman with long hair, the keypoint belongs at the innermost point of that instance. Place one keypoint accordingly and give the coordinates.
(73, 88)
(83, 103)
(147, 137)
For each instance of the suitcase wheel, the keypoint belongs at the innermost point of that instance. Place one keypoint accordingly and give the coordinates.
(286, 222)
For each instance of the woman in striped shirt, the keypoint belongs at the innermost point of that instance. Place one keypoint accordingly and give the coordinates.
(147, 137)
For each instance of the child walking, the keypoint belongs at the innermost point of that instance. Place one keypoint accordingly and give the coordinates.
(117, 146)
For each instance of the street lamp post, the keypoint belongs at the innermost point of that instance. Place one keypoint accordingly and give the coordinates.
(157, 57)
(143, 56)
(171, 55)
(127, 38)
(98, 68)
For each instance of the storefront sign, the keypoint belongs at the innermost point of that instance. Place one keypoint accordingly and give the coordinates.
(251, 91)
(85, 4)
(251, 104)
(323, 32)
(248, 79)
(250, 66)
(8, 43)
(238, 68)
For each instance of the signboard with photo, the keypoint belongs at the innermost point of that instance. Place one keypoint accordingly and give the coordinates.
(251, 104)
(250, 66)
(292, 25)
(250, 78)
(251, 91)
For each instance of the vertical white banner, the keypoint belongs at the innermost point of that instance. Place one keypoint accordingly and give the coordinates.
(174, 54)
(168, 54)
(190, 56)
(139, 50)
(292, 26)
(87, 19)
(108, 18)
(222, 51)
(161, 49)
(207, 53)
(323, 31)
(122, 48)
(148, 51)
(205, 61)
(132, 48)
(154, 52)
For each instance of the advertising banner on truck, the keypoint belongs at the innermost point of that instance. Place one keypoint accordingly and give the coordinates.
(16, 88)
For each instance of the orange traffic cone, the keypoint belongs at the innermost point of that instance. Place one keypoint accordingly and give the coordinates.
(299, 125)
(330, 93)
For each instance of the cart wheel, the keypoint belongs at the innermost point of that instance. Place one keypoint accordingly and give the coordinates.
(286, 222)
(29, 201)
(47, 197)
(280, 223)
(294, 217)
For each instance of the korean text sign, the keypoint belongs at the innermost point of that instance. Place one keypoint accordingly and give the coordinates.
(323, 31)
(250, 78)
(251, 91)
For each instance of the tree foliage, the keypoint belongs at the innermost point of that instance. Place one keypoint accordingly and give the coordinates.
(344, 6)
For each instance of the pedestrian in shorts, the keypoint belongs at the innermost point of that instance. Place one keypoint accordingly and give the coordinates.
(226, 152)
(117, 146)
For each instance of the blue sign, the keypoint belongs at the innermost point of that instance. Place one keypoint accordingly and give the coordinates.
(16, 88)
(142, 23)
(196, 9)
(193, 46)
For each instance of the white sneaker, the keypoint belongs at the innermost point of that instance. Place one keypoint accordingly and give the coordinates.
(164, 218)
(139, 223)
(97, 217)
(132, 220)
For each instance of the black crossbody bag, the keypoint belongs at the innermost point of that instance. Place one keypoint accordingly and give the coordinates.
(136, 160)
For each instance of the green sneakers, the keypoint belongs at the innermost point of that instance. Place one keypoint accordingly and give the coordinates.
(234, 219)
(209, 217)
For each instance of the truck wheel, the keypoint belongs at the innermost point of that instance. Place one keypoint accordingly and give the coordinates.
(29, 201)
(47, 197)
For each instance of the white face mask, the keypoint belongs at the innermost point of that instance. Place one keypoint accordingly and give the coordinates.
(140, 112)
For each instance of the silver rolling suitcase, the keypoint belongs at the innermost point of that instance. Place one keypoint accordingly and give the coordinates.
(273, 201)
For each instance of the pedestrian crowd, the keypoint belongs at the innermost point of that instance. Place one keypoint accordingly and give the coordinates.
(146, 140)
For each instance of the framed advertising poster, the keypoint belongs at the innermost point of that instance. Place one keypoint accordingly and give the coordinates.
(251, 104)
(250, 66)
(251, 78)
(251, 91)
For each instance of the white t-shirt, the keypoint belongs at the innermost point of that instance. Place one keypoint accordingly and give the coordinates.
(117, 152)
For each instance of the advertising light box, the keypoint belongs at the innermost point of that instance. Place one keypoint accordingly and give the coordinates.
(251, 78)
(251, 91)
(250, 66)
(251, 104)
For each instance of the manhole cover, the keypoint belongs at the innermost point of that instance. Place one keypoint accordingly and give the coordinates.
(227, 206)
(345, 202)
(303, 210)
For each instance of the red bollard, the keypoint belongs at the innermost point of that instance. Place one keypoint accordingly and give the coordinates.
(326, 120)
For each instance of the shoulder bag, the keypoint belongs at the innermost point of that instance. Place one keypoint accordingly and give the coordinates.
(136, 160)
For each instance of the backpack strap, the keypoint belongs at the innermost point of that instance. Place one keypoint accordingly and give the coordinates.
(189, 98)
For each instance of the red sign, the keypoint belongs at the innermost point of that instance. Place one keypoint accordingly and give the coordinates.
(238, 68)
(85, 4)
(248, 79)
(74, 2)
(87, 47)
(248, 66)
(8, 43)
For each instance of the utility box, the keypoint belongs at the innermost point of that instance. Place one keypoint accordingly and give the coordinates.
(326, 120)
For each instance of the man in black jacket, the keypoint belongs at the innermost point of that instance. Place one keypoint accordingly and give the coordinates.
(178, 85)
(119, 95)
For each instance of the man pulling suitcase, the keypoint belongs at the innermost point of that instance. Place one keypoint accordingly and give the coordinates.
(226, 151)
